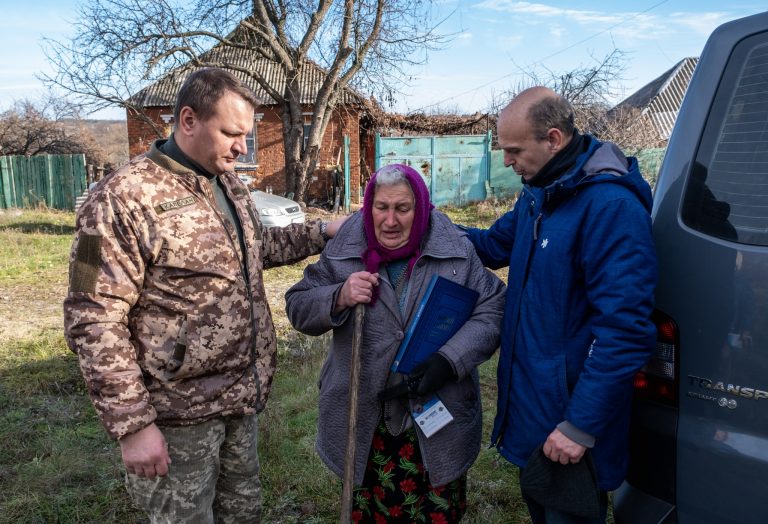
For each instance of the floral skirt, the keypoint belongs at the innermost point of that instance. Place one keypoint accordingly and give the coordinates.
(396, 487)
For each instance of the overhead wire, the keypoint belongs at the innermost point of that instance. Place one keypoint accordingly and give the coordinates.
(540, 60)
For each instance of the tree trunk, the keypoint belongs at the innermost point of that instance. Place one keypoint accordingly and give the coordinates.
(292, 118)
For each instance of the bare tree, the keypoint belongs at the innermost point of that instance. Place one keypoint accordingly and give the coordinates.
(51, 126)
(122, 46)
(591, 89)
(627, 127)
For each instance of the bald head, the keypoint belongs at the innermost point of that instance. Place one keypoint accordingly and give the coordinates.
(526, 98)
(532, 128)
(542, 109)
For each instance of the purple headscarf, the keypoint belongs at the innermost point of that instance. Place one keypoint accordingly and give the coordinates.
(376, 254)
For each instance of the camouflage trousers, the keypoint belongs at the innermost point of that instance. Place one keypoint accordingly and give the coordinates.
(213, 475)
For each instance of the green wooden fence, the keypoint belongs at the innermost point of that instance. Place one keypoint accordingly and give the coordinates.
(51, 180)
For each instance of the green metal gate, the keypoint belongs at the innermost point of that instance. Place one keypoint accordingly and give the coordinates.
(457, 169)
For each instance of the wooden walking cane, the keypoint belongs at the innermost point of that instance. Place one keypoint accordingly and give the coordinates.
(354, 382)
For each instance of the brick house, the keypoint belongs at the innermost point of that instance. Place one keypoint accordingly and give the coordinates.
(265, 160)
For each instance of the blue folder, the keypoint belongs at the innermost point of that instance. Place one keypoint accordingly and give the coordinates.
(443, 310)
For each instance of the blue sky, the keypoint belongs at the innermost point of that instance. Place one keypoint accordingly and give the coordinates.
(495, 42)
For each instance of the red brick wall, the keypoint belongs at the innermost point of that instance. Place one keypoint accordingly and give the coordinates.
(141, 135)
(271, 157)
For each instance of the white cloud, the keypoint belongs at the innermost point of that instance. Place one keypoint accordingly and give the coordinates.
(701, 23)
(535, 20)
(557, 30)
(548, 11)
(486, 21)
(642, 25)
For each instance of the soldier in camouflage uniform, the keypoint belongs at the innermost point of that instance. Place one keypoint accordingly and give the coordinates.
(167, 311)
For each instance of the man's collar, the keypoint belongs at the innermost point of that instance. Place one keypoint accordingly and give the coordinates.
(172, 149)
(559, 164)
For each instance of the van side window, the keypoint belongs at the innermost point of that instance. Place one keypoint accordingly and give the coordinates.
(727, 195)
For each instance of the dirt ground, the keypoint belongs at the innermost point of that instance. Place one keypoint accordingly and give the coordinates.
(29, 308)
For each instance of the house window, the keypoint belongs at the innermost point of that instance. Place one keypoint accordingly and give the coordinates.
(168, 121)
(252, 142)
(307, 125)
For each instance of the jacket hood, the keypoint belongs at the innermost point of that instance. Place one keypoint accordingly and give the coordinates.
(602, 162)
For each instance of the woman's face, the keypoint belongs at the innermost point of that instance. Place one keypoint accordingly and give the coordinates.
(393, 215)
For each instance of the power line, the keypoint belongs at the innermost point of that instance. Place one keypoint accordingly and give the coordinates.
(539, 61)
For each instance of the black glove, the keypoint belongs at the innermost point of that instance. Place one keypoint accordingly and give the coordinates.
(432, 374)
(392, 392)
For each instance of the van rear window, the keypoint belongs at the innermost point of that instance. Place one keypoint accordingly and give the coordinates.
(727, 194)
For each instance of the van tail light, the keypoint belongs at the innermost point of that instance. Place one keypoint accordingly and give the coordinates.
(658, 379)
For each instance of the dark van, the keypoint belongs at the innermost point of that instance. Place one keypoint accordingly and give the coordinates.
(699, 436)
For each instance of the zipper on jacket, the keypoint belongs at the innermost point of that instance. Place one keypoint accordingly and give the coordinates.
(533, 249)
(206, 189)
(536, 228)
(537, 221)
(209, 199)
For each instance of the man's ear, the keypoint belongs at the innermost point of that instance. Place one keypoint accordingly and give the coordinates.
(556, 140)
(187, 120)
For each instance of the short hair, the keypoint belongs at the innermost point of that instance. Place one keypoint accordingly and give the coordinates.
(204, 87)
(391, 175)
(549, 112)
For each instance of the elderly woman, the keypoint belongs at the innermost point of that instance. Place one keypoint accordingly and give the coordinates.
(384, 256)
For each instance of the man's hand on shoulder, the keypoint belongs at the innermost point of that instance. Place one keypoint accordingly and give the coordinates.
(331, 228)
(145, 452)
(559, 448)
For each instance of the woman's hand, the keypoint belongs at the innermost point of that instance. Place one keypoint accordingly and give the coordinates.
(357, 289)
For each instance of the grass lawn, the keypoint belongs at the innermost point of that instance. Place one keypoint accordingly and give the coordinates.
(56, 463)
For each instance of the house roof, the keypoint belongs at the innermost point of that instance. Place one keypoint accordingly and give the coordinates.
(419, 124)
(163, 92)
(661, 98)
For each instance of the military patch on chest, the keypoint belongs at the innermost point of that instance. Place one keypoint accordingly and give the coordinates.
(176, 204)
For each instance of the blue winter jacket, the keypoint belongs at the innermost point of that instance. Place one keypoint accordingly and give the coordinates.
(576, 328)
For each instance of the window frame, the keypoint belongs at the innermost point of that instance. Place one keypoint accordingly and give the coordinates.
(706, 207)
(307, 124)
(252, 141)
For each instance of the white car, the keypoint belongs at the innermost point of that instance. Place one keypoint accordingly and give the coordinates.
(276, 211)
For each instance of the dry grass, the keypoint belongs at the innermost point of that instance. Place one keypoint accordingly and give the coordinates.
(56, 464)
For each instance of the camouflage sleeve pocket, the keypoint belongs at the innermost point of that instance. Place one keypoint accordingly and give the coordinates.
(87, 264)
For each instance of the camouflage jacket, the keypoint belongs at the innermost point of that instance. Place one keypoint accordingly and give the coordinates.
(166, 324)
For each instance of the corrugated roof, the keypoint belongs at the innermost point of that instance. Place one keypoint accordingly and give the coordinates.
(661, 98)
(163, 92)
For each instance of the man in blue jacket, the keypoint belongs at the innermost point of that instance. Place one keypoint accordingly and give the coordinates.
(582, 271)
